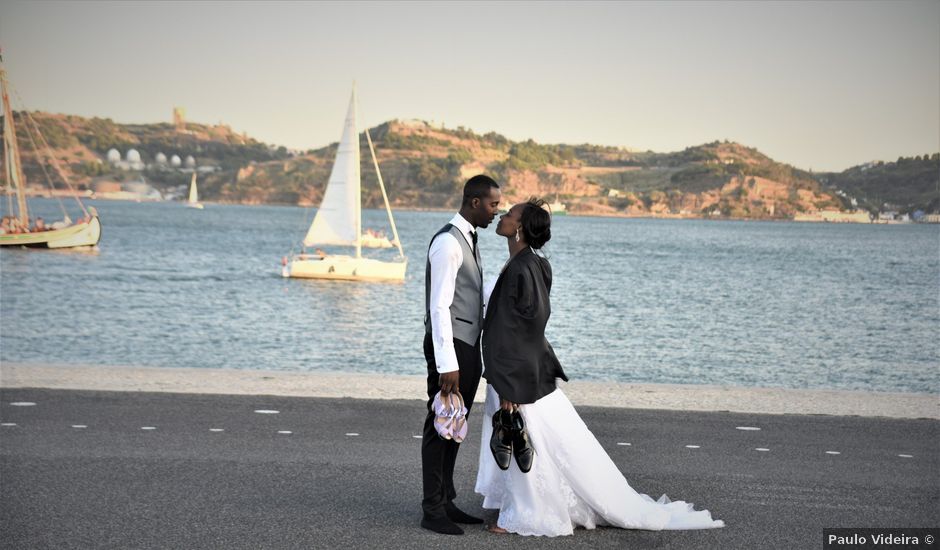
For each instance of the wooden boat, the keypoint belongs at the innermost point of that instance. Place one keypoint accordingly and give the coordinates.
(84, 234)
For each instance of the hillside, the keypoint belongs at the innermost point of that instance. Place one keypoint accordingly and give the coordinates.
(424, 166)
(909, 184)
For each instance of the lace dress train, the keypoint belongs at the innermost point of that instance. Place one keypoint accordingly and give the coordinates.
(573, 481)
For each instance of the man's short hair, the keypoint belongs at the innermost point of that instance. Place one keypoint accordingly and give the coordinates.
(478, 187)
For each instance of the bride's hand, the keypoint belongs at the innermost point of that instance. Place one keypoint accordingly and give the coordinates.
(507, 406)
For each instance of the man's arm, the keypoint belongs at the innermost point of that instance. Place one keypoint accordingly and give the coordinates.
(445, 258)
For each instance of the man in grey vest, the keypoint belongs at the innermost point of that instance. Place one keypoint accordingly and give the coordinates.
(453, 290)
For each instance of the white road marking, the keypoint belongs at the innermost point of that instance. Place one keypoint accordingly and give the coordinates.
(8, 424)
(748, 428)
(762, 449)
(622, 444)
(23, 404)
(418, 436)
(906, 456)
(833, 453)
(266, 411)
(148, 427)
(79, 426)
(285, 432)
(692, 447)
(352, 434)
(216, 429)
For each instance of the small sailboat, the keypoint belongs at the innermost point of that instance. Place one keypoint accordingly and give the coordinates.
(338, 221)
(558, 208)
(16, 230)
(193, 201)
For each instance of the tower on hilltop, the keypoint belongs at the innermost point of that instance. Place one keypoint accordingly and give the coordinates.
(179, 119)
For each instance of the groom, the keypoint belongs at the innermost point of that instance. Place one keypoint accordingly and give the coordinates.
(453, 292)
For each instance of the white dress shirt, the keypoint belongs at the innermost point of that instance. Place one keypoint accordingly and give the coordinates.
(446, 257)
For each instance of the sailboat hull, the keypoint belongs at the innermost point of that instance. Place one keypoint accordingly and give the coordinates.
(345, 268)
(79, 235)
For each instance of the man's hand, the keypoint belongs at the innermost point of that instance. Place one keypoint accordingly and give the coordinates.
(508, 406)
(450, 382)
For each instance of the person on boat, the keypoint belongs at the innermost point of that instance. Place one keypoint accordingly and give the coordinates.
(562, 478)
(40, 225)
(16, 226)
(6, 226)
(321, 253)
(453, 319)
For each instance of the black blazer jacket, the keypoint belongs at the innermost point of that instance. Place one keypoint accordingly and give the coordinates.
(520, 363)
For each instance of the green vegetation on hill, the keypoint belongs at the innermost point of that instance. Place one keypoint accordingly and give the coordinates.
(909, 184)
(425, 166)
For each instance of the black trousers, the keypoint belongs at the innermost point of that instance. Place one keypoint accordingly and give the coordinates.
(439, 455)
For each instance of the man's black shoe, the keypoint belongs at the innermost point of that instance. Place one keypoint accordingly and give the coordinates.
(457, 515)
(443, 526)
(501, 442)
(521, 448)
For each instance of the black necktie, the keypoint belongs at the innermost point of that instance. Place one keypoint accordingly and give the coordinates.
(473, 237)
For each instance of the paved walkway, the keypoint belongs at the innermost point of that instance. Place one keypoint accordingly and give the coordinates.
(92, 469)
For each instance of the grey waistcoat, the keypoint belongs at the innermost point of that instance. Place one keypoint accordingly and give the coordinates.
(466, 312)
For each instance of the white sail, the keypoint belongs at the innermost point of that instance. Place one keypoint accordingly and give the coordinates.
(338, 220)
(193, 193)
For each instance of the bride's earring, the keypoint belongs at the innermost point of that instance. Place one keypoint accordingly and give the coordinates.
(517, 234)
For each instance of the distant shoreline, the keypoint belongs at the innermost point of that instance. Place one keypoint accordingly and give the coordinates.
(380, 386)
(567, 214)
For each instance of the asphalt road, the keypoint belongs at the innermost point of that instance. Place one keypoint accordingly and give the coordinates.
(78, 470)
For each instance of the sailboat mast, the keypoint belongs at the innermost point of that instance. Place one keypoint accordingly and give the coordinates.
(358, 178)
(388, 207)
(11, 153)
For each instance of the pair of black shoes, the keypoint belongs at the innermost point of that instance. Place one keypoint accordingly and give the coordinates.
(510, 439)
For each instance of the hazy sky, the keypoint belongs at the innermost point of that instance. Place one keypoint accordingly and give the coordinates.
(822, 86)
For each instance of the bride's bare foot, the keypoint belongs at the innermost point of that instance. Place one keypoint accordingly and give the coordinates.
(496, 529)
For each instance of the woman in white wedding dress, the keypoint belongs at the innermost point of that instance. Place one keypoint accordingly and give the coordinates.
(572, 482)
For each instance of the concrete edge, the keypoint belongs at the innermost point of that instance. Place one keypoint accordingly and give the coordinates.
(378, 386)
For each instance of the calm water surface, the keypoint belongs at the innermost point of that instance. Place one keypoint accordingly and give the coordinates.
(673, 301)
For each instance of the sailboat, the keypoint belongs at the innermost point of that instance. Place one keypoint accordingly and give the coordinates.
(16, 229)
(558, 208)
(193, 201)
(338, 221)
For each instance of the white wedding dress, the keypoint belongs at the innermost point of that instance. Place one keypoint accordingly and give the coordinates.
(572, 483)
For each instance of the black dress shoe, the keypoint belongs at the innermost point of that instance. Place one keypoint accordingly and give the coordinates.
(457, 515)
(521, 448)
(501, 442)
(443, 526)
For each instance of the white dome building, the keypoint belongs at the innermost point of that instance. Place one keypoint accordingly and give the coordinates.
(190, 162)
(175, 161)
(132, 156)
(114, 156)
(161, 158)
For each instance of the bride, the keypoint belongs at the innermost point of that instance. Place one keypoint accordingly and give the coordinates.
(566, 478)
